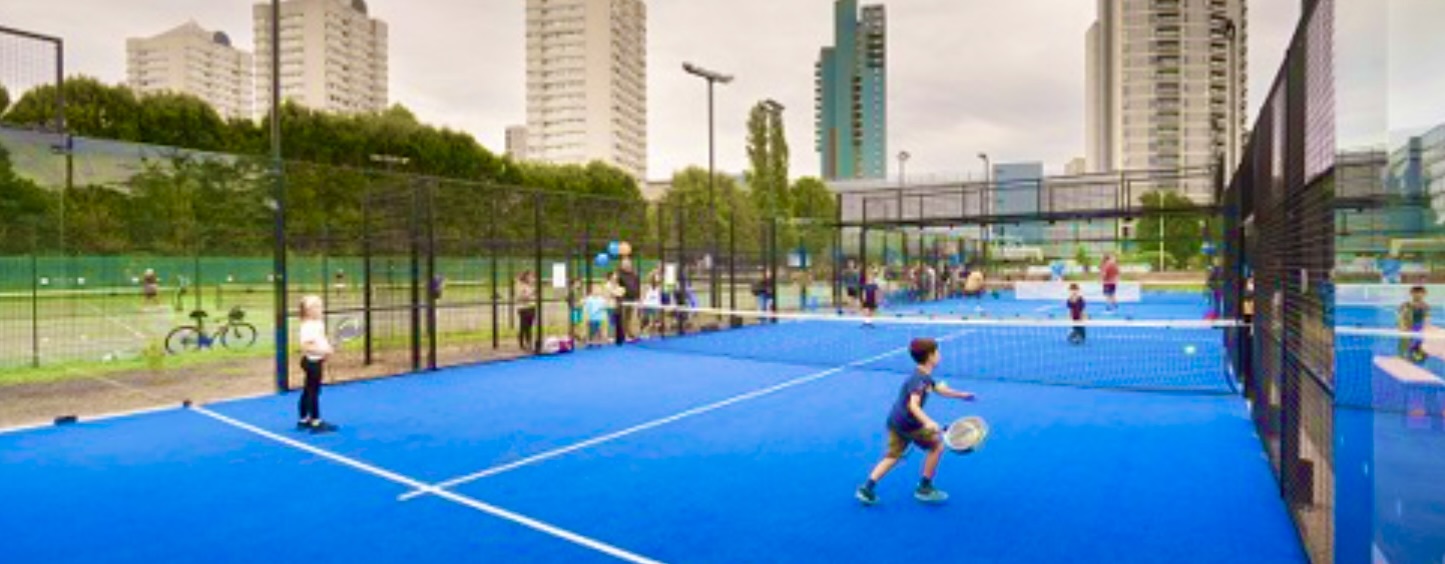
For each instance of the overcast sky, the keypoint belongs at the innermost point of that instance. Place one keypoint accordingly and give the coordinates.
(965, 76)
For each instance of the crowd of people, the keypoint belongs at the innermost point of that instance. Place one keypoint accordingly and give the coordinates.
(920, 282)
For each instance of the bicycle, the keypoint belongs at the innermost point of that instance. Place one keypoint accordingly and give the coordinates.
(233, 333)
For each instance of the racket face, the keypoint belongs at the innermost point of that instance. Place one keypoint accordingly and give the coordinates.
(966, 434)
(349, 330)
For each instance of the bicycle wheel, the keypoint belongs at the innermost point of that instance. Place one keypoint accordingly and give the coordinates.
(238, 336)
(183, 339)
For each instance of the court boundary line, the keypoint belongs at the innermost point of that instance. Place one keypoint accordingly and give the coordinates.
(92, 418)
(465, 501)
(609, 437)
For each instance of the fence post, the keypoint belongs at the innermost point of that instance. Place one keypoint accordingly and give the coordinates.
(366, 283)
(732, 260)
(415, 237)
(492, 250)
(662, 266)
(34, 302)
(838, 251)
(773, 265)
(433, 286)
(538, 323)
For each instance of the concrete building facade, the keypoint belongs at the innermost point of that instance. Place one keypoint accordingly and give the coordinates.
(1166, 84)
(851, 94)
(333, 56)
(587, 83)
(192, 60)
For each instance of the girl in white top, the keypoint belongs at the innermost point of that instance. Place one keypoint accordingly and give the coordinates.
(651, 301)
(315, 349)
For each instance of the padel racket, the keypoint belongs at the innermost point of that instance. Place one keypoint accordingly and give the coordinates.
(966, 434)
(350, 329)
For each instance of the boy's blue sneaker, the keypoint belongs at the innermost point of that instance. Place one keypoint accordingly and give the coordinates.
(929, 494)
(867, 496)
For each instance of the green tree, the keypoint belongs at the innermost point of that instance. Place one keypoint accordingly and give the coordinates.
(92, 109)
(1168, 213)
(25, 207)
(767, 149)
(1081, 256)
(180, 120)
(689, 196)
(812, 199)
(4, 99)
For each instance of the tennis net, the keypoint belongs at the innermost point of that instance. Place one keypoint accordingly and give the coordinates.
(1176, 356)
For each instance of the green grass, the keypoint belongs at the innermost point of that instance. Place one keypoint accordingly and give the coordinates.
(77, 369)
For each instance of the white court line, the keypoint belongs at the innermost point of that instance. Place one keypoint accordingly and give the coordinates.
(93, 418)
(449, 496)
(554, 453)
(117, 322)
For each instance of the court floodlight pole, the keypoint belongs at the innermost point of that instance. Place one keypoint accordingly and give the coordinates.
(279, 278)
(712, 78)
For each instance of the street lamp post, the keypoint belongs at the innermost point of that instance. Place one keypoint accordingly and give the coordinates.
(776, 109)
(986, 202)
(903, 157)
(712, 78)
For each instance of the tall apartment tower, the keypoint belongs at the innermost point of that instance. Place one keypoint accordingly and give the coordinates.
(587, 83)
(517, 143)
(851, 95)
(1166, 84)
(192, 60)
(333, 56)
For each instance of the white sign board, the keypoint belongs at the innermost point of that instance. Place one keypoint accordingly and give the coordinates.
(669, 274)
(1059, 291)
(559, 275)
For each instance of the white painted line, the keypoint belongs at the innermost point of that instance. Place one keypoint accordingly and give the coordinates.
(117, 322)
(92, 419)
(383, 473)
(1379, 556)
(554, 453)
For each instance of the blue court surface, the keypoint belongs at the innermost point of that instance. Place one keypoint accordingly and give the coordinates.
(652, 454)
(1389, 461)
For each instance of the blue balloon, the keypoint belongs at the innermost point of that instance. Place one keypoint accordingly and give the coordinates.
(603, 259)
(613, 248)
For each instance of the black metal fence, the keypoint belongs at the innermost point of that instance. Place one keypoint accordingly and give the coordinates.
(1280, 259)
(431, 268)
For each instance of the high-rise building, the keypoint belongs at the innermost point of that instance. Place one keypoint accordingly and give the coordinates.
(1166, 84)
(1076, 166)
(851, 95)
(517, 143)
(333, 56)
(192, 60)
(587, 82)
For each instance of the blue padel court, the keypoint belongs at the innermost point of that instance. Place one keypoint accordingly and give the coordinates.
(737, 446)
